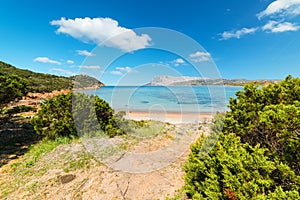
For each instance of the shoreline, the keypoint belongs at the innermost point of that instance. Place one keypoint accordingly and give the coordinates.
(170, 117)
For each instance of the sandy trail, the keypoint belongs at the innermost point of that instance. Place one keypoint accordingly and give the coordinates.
(171, 117)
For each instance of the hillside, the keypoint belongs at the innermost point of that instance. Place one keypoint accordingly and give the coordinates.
(85, 81)
(186, 80)
(39, 82)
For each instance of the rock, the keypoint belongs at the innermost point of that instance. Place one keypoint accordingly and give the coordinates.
(12, 156)
(67, 178)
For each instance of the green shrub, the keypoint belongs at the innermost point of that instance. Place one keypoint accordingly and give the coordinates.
(269, 116)
(255, 153)
(75, 114)
(92, 114)
(11, 87)
(233, 170)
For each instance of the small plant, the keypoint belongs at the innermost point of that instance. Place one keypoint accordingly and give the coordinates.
(79, 163)
(45, 146)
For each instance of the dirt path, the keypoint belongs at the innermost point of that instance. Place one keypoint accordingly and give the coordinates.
(70, 172)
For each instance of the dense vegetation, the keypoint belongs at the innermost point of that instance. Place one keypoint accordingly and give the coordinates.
(11, 87)
(38, 82)
(75, 114)
(256, 155)
(269, 116)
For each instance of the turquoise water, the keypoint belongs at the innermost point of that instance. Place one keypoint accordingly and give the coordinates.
(167, 98)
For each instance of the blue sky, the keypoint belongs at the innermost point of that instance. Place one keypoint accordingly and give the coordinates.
(111, 40)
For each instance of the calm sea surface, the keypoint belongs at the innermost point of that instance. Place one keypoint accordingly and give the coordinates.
(167, 98)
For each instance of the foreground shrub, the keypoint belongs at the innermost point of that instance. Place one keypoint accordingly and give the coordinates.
(58, 115)
(256, 154)
(269, 116)
(233, 170)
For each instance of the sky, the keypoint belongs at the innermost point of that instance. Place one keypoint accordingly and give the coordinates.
(130, 42)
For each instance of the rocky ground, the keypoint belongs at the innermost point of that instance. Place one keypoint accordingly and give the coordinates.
(75, 170)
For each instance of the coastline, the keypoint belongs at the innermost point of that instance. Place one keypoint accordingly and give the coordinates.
(170, 117)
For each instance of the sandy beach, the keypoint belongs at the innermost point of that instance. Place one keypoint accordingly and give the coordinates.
(171, 117)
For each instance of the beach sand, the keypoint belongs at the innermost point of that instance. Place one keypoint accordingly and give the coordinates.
(171, 117)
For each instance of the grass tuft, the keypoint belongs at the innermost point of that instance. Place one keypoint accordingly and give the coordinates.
(45, 146)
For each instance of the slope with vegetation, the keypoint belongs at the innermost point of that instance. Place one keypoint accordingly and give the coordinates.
(38, 82)
(83, 81)
(16, 132)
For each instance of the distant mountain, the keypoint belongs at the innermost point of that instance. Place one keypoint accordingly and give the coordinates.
(171, 80)
(39, 82)
(85, 82)
(186, 80)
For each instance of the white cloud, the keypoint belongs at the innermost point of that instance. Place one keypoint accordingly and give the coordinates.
(46, 60)
(200, 56)
(102, 31)
(277, 10)
(178, 61)
(117, 73)
(85, 53)
(70, 62)
(237, 34)
(281, 8)
(90, 67)
(279, 27)
(123, 70)
(62, 71)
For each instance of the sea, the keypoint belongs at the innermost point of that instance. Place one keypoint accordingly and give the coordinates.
(198, 99)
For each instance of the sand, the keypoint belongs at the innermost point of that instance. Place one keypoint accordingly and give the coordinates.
(171, 117)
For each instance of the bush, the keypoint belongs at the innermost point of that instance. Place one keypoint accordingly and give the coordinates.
(93, 115)
(257, 152)
(11, 87)
(58, 115)
(233, 170)
(269, 116)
